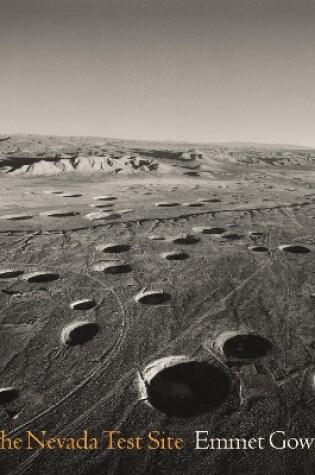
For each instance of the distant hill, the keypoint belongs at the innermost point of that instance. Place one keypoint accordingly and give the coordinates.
(50, 155)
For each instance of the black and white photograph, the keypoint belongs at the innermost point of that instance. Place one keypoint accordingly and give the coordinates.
(157, 237)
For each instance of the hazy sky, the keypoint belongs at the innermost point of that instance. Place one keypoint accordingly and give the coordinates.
(198, 70)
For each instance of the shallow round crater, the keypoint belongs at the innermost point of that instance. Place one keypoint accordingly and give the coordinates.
(105, 210)
(166, 204)
(182, 387)
(183, 239)
(78, 332)
(206, 230)
(10, 273)
(113, 247)
(8, 395)
(175, 256)
(295, 249)
(258, 248)
(108, 215)
(16, 217)
(191, 173)
(255, 233)
(38, 277)
(204, 200)
(56, 192)
(232, 236)
(154, 297)
(58, 213)
(83, 304)
(193, 205)
(71, 195)
(243, 346)
(114, 267)
(101, 205)
(103, 216)
(156, 237)
(105, 198)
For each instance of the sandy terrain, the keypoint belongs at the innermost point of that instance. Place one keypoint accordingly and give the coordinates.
(115, 255)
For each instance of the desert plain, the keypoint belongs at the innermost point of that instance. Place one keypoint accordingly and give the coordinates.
(156, 286)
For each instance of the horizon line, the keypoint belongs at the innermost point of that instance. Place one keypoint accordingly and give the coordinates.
(161, 141)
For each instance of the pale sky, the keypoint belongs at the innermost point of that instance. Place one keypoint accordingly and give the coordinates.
(195, 70)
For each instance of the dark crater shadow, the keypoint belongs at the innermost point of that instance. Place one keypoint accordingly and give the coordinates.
(154, 298)
(191, 173)
(118, 269)
(116, 248)
(42, 277)
(10, 274)
(59, 213)
(247, 346)
(81, 334)
(17, 217)
(167, 205)
(176, 256)
(7, 395)
(255, 233)
(194, 205)
(188, 389)
(213, 231)
(84, 304)
(259, 249)
(183, 240)
(296, 249)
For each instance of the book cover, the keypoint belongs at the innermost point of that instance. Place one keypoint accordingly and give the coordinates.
(157, 294)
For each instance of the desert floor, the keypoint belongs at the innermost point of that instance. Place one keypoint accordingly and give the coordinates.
(207, 256)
